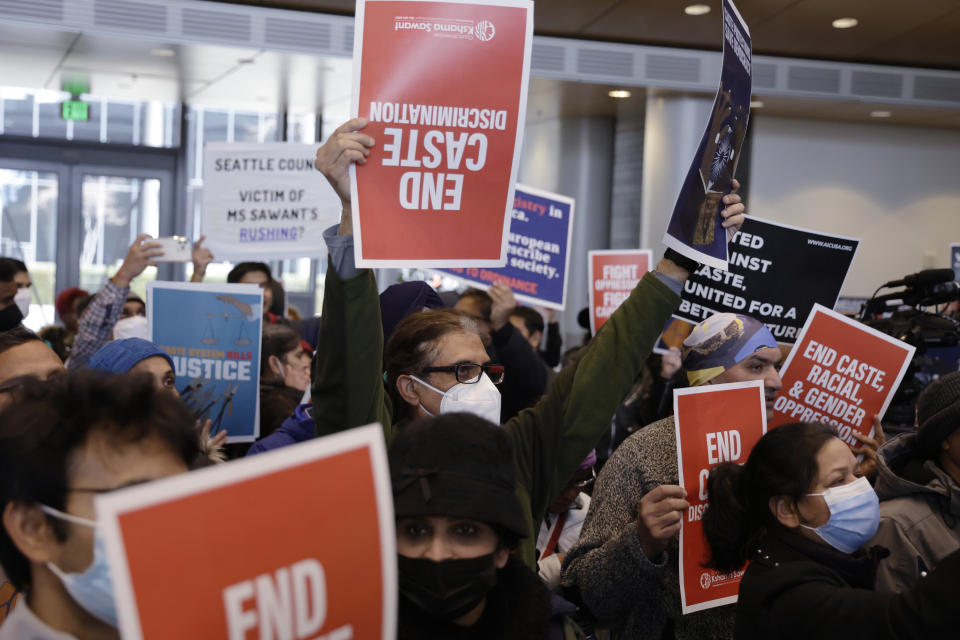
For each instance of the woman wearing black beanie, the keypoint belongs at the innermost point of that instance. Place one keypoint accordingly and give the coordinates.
(458, 520)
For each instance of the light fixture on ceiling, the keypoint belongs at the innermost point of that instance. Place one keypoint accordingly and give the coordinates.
(163, 53)
(880, 114)
(619, 93)
(697, 9)
(756, 104)
(845, 23)
(245, 61)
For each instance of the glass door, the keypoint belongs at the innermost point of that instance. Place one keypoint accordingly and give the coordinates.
(72, 224)
(113, 206)
(30, 203)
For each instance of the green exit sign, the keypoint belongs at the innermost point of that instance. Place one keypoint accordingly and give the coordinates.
(75, 110)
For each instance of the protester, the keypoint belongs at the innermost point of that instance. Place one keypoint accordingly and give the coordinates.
(798, 510)
(139, 356)
(529, 323)
(24, 357)
(136, 355)
(56, 338)
(505, 345)
(201, 257)
(284, 375)
(562, 524)
(279, 298)
(14, 298)
(22, 276)
(458, 520)
(436, 362)
(66, 306)
(919, 488)
(257, 273)
(96, 323)
(299, 427)
(63, 443)
(400, 300)
(625, 564)
(650, 400)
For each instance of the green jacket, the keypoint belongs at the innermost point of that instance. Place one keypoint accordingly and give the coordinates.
(550, 440)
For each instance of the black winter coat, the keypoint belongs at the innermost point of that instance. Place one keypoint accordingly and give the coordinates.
(797, 588)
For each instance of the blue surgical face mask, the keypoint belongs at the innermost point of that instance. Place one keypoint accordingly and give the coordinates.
(854, 515)
(92, 589)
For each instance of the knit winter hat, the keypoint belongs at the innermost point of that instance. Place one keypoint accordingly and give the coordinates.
(400, 300)
(120, 356)
(458, 465)
(938, 414)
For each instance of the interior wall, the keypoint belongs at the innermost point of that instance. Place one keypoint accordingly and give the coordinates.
(895, 188)
(574, 156)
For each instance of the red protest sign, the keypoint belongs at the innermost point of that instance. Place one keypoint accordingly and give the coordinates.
(613, 274)
(444, 88)
(840, 372)
(715, 423)
(262, 547)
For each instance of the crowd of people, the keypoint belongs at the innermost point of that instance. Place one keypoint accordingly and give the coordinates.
(536, 496)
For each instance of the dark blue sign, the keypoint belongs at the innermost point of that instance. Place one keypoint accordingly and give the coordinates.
(537, 250)
(695, 227)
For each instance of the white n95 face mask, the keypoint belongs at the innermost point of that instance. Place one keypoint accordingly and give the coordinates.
(133, 327)
(481, 398)
(22, 300)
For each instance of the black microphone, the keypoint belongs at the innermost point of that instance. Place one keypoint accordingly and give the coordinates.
(920, 278)
(936, 294)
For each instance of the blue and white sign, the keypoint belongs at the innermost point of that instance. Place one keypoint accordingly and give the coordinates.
(538, 255)
(212, 332)
(265, 201)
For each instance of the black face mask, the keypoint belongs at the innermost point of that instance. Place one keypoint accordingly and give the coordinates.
(447, 589)
(10, 317)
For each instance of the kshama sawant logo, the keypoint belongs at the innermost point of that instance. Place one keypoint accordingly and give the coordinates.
(484, 31)
(447, 28)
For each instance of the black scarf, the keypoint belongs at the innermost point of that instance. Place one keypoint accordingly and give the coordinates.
(518, 608)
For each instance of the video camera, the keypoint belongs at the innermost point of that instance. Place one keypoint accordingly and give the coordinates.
(903, 314)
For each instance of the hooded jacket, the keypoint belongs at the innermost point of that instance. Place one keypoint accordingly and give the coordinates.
(919, 514)
(798, 589)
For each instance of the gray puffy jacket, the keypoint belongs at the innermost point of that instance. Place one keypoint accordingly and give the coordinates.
(919, 514)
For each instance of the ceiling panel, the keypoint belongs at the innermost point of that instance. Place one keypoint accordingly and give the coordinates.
(934, 44)
(921, 33)
(805, 28)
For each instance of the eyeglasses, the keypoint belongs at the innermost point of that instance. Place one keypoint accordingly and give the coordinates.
(469, 372)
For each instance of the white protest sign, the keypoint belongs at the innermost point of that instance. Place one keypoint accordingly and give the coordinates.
(265, 201)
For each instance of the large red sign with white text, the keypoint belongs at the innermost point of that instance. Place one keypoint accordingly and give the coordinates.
(840, 372)
(444, 88)
(715, 423)
(294, 543)
(613, 274)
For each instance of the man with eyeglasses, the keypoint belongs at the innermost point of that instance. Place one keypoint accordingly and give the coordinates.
(61, 444)
(505, 344)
